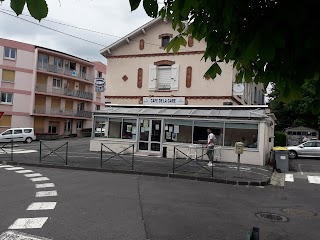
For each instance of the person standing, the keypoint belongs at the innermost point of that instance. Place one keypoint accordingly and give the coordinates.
(210, 146)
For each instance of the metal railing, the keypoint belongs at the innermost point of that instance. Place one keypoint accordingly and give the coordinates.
(7, 154)
(65, 71)
(65, 92)
(188, 160)
(117, 154)
(254, 234)
(53, 152)
(62, 112)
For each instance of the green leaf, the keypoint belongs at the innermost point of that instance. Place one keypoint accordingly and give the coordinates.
(151, 7)
(213, 71)
(17, 6)
(134, 4)
(37, 8)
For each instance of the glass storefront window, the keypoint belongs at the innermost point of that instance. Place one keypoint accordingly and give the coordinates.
(241, 132)
(129, 129)
(100, 126)
(178, 131)
(115, 125)
(200, 134)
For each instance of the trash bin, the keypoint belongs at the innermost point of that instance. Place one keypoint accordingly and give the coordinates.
(281, 156)
(164, 152)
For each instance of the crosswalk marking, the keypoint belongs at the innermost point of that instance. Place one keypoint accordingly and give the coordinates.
(42, 206)
(28, 223)
(19, 236)
(47, 194)
(33, 175)
(289, 178)
(5, 166)
(39, 179)
(45, 185)
(8, 151)
(14, 168)
(314, 179)
(24, 171)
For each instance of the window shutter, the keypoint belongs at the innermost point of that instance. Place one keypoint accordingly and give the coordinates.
(139, 82)
(188, 77)
(175, 77)
(152, 77)
(8, 75)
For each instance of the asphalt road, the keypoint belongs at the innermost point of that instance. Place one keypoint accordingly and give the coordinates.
(93, 205)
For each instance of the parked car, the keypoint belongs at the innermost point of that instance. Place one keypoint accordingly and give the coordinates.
(18, 135)
(308, 149)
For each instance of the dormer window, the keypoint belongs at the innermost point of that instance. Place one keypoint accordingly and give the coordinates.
(165, 39)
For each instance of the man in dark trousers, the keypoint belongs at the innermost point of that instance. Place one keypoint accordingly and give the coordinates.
(210, 146)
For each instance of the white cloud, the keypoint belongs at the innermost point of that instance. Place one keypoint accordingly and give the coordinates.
(109, 16)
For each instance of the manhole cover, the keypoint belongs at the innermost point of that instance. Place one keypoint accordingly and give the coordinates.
(273, 217)
(299, 212)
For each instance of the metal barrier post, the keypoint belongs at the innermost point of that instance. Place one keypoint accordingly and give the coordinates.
(101, 156)
(174, 159)
(255, 233)
(11, 151)
(40, 152)
(67, 154)
(132, 165)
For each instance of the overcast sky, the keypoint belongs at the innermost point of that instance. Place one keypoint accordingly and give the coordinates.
(108, 16)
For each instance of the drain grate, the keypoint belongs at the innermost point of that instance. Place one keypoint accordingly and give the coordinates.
(273, 217)
(299, 212)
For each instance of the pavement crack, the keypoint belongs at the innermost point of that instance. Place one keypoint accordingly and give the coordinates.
(141, 209)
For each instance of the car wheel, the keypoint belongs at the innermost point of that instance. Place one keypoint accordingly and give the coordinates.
(28, 140)
(293, 154)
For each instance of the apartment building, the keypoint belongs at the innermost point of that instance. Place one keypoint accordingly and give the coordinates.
(49, 90)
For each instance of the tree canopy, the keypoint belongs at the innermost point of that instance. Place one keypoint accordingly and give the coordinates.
(266, 40)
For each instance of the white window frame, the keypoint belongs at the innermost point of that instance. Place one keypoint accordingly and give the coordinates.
(10, 52)
(57, 61)
(79, 124)
(55, 81)
(6, 102)
(153, 84)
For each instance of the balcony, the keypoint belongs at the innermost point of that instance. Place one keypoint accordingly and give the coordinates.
(66, 71)
(62, 112)
(66, 92)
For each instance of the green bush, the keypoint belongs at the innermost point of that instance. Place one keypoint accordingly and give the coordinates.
(280, 138)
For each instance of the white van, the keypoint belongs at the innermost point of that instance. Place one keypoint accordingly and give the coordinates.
(18, 135)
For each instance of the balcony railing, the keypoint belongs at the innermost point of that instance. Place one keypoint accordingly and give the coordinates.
(65, 71)
(66, 92)
(62, 112)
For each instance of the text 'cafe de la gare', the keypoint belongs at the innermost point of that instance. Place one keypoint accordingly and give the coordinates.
(162, 123)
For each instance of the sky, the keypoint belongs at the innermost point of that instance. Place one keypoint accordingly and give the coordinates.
(112, 17)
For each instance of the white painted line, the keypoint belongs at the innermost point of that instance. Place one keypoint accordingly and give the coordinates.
(300, 169)
(5, 166)
(14, 168)
(24, 171)
(47, 194)
(33, 175)
(314, 179)
(42, 206)
(39, 179)
(19, 236)
(45, 185)
(289, 178)
(28, 223)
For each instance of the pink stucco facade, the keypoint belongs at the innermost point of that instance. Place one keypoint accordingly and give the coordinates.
(51, 91)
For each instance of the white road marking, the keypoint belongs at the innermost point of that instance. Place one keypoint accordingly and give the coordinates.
(42, 206)
(45, 185)
(28, 223)
(314, 179)
(39, 179)
(19, 236)
(300, 169)
(5, 166)
(18, 151)
(289, 178)
(14, 168)
(47, 194)
(24, 171)
(33, 175)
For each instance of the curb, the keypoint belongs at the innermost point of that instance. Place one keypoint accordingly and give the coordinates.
(154, 174)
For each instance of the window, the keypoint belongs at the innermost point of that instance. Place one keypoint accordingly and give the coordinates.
(241, 132)
(289, 133)
(164, 78)
(98, 107)
(17, 131)
(255, 95)
(72, 66)
(79, 124)
(98, 94)
(10, 53)
(80, 106)
(58, 62)
(99, 75)
(42, 61)
(178, 131)
(83, 71)
(57, 83)
(52, 129)
(129, 130)
(200, 134)
(310, 144)
(27, 130)
(6, 97)
(115, 125)
(8, 132)
(8, 75)
(165, 41)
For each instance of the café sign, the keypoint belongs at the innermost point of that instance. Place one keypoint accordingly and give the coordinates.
(164, 100)
(99, 83)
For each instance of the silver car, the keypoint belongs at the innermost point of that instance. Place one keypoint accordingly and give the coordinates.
(307, 149)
